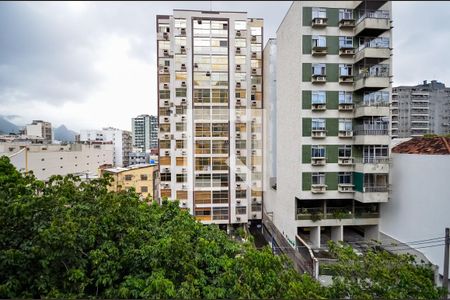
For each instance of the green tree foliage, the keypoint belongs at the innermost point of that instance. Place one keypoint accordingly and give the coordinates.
(380, 274)
(71, 239)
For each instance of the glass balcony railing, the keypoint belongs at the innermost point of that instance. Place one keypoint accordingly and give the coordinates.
(372, 14)
(371, 129)
(375, 189)
(379, 42)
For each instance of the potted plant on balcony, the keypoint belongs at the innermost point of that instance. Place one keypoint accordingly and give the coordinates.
(340, 214)
(316, 216)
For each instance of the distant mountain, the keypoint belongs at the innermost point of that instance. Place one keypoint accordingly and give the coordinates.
(7, 127)
(63, 134)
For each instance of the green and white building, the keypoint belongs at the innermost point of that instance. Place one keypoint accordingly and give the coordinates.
(333, 90)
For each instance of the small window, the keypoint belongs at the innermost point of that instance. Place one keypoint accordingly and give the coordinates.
(223, 43)
(319, 13)
(318, 97)
(128, 177)
(144, 177)
(144, 189)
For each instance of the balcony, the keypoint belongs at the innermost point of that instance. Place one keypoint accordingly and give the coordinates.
(318, 78)
(319, 22)
(372, 134)
(345, 107)
(345, 188)
(346, 52)
(380, 109)
(374, 81)
(345, 161)
(318, 106)
(319, 51)
(318, 133)
(372, 194)
(318, 161)
(375, 52)
(372, 23)
(367, 165)
(318, 188)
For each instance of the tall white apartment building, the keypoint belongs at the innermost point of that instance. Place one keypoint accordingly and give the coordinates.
(145, 132)
(333, 87)
(420, 109)
(41, 129)
(121, 139)
(210, 113)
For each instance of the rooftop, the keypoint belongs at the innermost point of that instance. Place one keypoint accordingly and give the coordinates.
(133, 167)
(424, 145)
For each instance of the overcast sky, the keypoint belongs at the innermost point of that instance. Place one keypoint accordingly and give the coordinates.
(93, 64)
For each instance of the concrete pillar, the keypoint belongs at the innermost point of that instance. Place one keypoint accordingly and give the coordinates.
(337, 233)
(371, 232)
(315, 237)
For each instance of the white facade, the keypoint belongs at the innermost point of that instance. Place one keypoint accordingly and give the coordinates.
(210, 114)
(419, 208)
(40, 129)
(48, 160)
(333, 94)
(119, 138)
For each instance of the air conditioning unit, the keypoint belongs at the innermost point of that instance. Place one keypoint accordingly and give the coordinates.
(183, 170)
(253, 103)
(166, 52)
(238, 84)
(165, 35)
(238, 67)
(183, 118)
(167, 136)
(183, 152)
(184, 203)
(254, 215)
(183, 135)
(254, 152)
(238, 50)
(238, 102)
(253, 87)
(183, 31)
(183, 83)
(253, 54)
(166, 170)
(238, 152)
(166, 102)
(238, 201)
(348, 51)
(254, 199)
(184, 186)
(253, 71)
(238, 218)
(167, 153)
(166, 119)
(238, 135)
(183, 67)
(238, 186)
(238, 33)
(166, 86)
(172, 136)
(183, 101)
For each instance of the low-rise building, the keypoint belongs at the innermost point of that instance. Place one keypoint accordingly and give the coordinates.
(140, 177)
(45, 160)
(418, 211)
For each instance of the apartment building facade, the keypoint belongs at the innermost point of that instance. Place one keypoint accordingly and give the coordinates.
(45, 160)
(332, 127)
(41, 129)
(145, 132)
(420, 109)
(121, 139)
(210, 114)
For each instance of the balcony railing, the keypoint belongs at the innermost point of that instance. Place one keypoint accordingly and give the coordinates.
(375, 189)
(379, 42)
(372, 160)
(372, 14)
(381, 74)
(371, 130)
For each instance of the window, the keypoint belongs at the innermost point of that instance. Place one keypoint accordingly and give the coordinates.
(345, 70)
(241, 194)
(240, 177)
(202, 147)
(220, 213)
(241, 210)
(318, 178)
(345, 177)
(219, 147)
(181, 178)
(180, 144)
(376, 98)
(345, 14)
(317, 151)
(345, 97)
(256, 206)
(220, 196)
(373, 153)
(144, 177)
(180, 127)
(241, 144)
(203, 164)
(180, 92)
(318, 124)
(144, 189)
(319, 12)
(220, 180)
(219, 163)
(318, 97)
(345, 42)
(345, 125)
(318, 69)
(166, 177)
(319, 41)
(203, 180)
(220, 129)
(180, 110)
(345, 151)
(128, 177)
(202, 197)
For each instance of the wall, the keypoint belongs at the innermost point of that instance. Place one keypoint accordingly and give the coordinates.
(419, 206)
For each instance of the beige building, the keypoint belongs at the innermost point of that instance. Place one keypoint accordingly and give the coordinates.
(46, 160)
(210, 114)
(140, 177)
(41, 129)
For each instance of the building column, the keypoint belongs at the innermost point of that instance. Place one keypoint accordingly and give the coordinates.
(371, 232)
(337, 233)
(315, 237)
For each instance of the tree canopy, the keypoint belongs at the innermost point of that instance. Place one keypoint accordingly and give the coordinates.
(71, 239)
